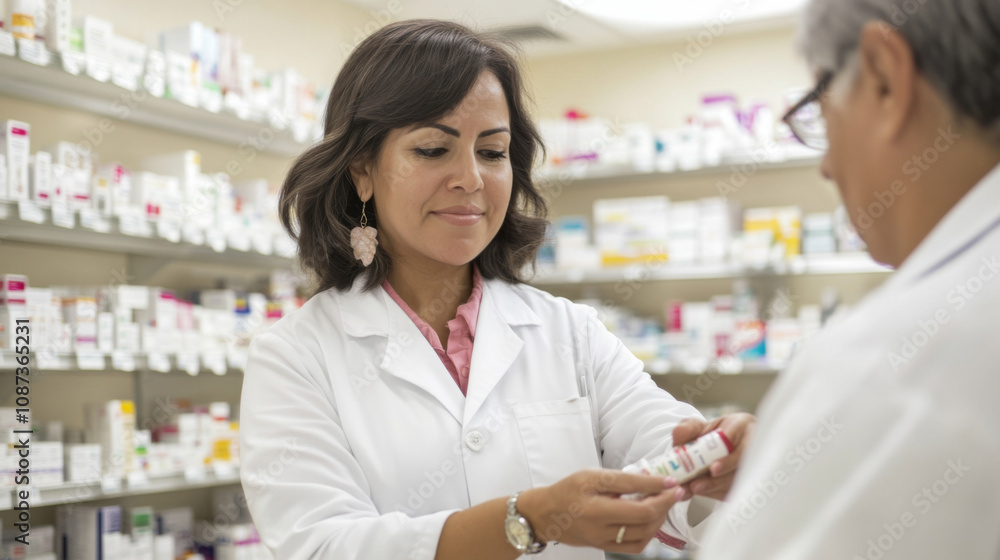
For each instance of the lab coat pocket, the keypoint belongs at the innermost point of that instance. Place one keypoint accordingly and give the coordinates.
(558, 438)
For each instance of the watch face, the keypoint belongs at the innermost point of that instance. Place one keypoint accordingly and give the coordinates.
(517, 532)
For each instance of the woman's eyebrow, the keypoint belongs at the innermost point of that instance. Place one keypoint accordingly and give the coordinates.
(454, 132)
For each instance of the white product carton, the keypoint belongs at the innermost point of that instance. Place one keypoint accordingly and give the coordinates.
(9, 314)
(46, 318)
(41, 178)
(80, 313)
(196, 192)
(163, 308)
(62, 176)
(112, 191)
(105, 332)
(163, 547)
(631, 230)
(15, 145)
(129, 58)
(79, 194)
(59, 25)
(66, 153)
(154, 194)
(3, 176)
(43, 538)
(82, 462)
(112, 425)
(181, 81)
(154, 80)
(98, 40)
(13, 289)
(128, 337)
(180, 523)
(253, 196)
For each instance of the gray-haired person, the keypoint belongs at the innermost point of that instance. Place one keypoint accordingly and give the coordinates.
(882, 440)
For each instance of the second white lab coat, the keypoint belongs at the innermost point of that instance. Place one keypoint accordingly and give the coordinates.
(356, 443)
(882, 440)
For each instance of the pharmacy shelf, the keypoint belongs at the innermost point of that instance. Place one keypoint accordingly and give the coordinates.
(14, 228)
(53, 86)
(125, 362)
(660, 369)
(836, 263)
(79, 492)
(743, 390)
(584, 175)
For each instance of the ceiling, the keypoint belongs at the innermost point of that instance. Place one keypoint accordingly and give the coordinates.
(550, 27)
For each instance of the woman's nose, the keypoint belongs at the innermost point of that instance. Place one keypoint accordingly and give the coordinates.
(467, 174)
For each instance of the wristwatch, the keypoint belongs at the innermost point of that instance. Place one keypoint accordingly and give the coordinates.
(519, 533)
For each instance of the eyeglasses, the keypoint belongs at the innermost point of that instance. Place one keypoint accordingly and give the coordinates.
(806, 118)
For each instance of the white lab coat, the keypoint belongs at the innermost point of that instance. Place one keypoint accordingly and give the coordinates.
(356, 443)
(882, 440)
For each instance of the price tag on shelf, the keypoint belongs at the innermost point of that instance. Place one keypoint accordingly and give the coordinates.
(263, 242)
(235, 104)
(98, 69)
(89, 360)
(46, 360)
(122, 360)
(214, 362)
(237, 358)
(193, 234)
(211, 100)
(169, 231)
(137, 479)
(73, 62)
(284, 245)
(223, 470)
(188, 363)
(134, 225)
(33, 51)
(30, 212)
(216, 240)
(90, 219)
(158, 362)
(125, 79)
(7, 43)
(239, 239)
(111, 484)
(154, 84)
(195, 474)
(62, 216)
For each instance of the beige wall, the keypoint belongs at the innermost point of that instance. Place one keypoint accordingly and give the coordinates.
(646, 84)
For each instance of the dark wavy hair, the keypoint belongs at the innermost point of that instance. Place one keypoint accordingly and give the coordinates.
(407, 73)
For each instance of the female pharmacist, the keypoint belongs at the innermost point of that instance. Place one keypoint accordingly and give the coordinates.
(424, 403)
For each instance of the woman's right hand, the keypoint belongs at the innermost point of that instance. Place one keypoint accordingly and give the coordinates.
(585, 509)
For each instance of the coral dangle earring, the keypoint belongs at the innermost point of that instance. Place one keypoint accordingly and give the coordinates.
(363, 240)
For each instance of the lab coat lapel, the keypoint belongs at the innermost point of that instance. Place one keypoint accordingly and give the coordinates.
(496, 344)
(403, 351)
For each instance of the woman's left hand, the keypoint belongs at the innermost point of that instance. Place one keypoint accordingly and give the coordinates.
(737, 428)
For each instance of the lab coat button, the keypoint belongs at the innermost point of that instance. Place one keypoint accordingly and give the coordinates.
(475, 440)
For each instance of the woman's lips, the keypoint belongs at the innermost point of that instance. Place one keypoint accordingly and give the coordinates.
(459, 219)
